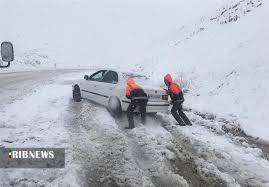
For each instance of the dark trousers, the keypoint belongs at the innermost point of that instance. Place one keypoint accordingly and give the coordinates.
(179, 115)
(142, 103)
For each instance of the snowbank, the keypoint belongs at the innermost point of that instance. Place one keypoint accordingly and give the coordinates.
(224, 57)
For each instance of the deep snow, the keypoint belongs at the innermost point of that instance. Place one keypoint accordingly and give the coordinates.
(101, 152)
(220, 49)
(222, 60)
(225, 65)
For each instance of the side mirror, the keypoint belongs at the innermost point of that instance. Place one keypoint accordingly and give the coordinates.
(7, 53)
(86, 77)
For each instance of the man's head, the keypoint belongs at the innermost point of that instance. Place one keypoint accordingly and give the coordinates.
(168, 79)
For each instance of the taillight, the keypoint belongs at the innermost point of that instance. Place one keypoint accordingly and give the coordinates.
(164, 97)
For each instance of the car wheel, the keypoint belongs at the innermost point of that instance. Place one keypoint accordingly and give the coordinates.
(114, 106)
(76, 93)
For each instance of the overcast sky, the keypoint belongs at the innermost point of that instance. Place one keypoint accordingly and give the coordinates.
(96, 31)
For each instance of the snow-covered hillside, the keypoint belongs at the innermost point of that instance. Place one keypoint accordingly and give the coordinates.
(31, 60)
(223, 55)
(219, 55)
(39, 59)
(225, 59)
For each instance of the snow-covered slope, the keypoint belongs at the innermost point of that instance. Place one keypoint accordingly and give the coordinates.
(31, 60)
(37, 59)
(225, 58)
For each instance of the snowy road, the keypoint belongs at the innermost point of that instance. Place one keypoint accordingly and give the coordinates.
(37, 111)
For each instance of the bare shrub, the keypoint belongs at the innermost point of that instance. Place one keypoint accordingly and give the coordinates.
(184, 83)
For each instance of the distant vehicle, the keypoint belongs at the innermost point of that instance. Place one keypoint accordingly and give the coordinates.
(7, 53)
(107, 87)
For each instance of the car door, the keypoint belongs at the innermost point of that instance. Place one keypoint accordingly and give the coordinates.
(90, 89)
(107, 85)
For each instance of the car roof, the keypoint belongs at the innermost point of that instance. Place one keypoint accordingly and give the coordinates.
(120, 71)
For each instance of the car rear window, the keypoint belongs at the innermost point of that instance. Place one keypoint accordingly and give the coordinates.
(135, 76)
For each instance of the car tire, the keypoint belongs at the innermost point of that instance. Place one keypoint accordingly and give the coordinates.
(114, 106)
(76, 93)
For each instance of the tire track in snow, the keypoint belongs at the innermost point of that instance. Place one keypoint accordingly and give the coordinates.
(174, 155)
(184, 162)
(232, 129)
(152, 154)
(111, 156)
(143, 156)
(148, 145)
(225, 156)
(101, 149)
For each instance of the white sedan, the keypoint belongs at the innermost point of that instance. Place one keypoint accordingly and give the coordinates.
(107, 87)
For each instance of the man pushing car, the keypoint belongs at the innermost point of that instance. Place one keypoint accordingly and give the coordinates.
(138, 99)
(177, 100)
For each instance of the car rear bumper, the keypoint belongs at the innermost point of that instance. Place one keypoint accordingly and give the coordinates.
(152, 107)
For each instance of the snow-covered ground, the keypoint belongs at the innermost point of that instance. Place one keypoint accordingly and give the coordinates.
(223, 58)
(99, 151)
(219, 48)
(34, 119)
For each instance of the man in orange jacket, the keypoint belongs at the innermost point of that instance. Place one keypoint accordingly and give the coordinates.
(177, 99)
(138, 98)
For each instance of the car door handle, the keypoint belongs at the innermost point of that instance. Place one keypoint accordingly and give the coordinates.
(94, 85)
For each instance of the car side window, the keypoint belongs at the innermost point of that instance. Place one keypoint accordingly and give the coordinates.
(98, 76)
(111, 77)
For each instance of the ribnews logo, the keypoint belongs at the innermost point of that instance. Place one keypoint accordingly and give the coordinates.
(32, 158)
(31, 154)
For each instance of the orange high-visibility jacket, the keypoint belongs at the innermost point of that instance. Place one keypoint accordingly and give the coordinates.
(174, 89)
(131, 85)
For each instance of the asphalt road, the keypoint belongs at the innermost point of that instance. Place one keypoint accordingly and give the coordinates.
(15, 85)
(8, 79)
